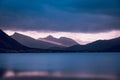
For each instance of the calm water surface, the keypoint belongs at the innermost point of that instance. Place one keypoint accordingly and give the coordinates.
(98, 63)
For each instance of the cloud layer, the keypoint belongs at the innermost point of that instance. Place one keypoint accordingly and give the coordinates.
(60, 15)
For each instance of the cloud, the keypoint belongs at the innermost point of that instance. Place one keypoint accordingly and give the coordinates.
(61, 15)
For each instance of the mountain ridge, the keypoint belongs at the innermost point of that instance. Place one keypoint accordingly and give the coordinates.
(31, 42)
(112, 45)
(8, 44)
(62, 40)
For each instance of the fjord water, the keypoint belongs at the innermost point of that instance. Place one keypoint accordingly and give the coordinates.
(92, 63)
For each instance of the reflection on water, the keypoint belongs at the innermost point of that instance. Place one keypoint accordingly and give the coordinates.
(58, 74)
(106, 65)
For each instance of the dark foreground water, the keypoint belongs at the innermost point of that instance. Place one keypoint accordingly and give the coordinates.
(82, 63)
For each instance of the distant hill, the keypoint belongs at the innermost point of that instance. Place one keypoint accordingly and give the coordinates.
(112, 45)
(105, 45)
(33, 43)
(62, 40)
(8, 44)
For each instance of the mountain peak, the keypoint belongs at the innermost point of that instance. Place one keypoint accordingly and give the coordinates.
(16, 33)
(50, 36)
(20, 36)
(0, 29)
(62, 40)
(8, 43)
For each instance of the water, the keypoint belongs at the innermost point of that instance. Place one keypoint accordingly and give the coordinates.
(92, 63)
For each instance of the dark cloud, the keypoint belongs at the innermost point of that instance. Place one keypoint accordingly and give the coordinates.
(60, 15)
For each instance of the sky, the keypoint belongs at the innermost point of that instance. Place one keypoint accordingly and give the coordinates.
(82, 20)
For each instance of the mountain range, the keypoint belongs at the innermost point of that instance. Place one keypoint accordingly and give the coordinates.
(8, 44)
(43, 43)
(22, 43)
(112, 45)
(67, 42)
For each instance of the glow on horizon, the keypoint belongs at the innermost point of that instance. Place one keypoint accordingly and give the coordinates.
(81, 38)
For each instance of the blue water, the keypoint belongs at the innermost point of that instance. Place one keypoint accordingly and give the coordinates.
(80, 62)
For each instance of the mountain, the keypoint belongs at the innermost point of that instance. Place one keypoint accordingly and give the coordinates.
(2, 72)
(62, 40)
(112, 45)
(31, 42)
(8, 44)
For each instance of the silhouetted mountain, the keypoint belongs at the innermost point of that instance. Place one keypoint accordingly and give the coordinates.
(112, 45)
(105, 45)
(31, 42)
(62, 40)
(2, 72)
(8, 44)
